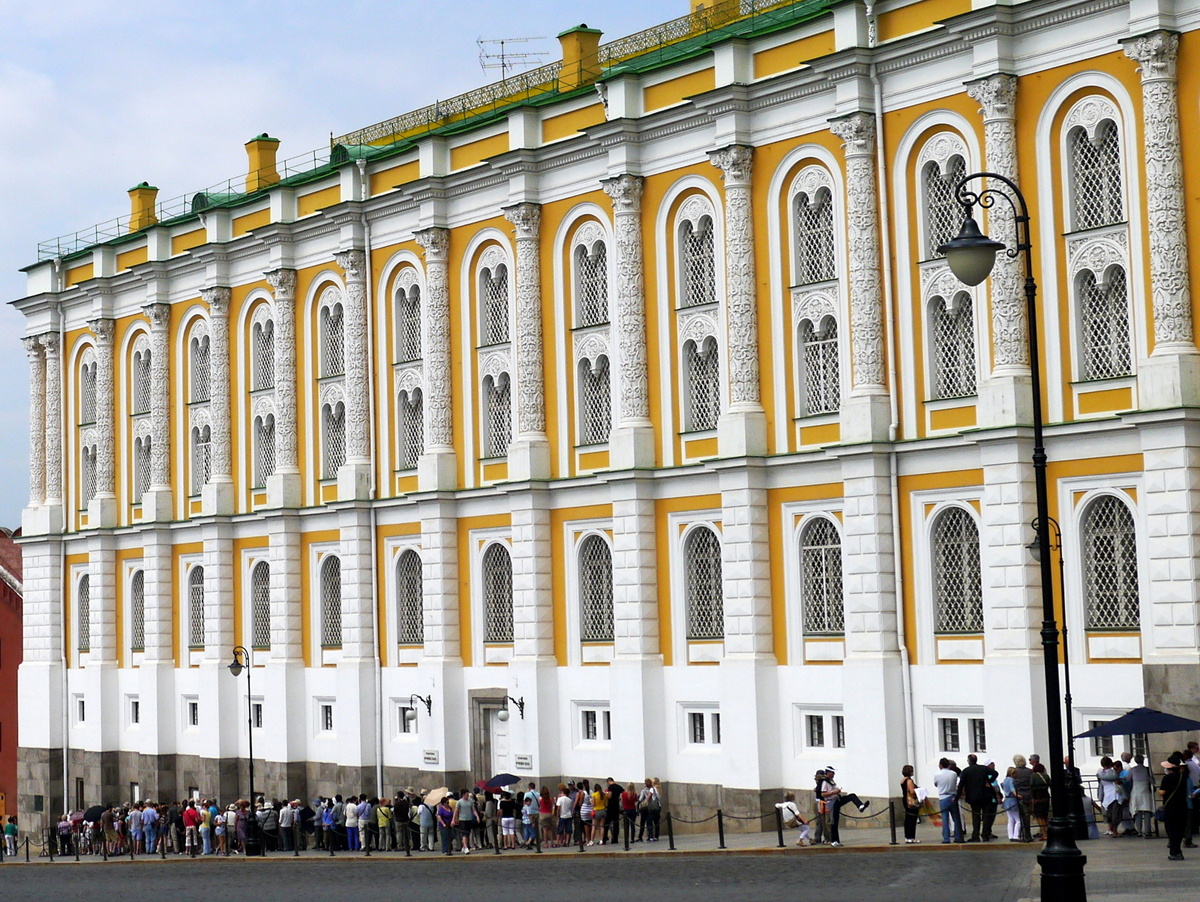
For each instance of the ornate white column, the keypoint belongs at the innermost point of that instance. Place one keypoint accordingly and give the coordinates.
(283, 486)
(742, 429)
(529, 454)
(156, 502)
(354, 477)
(102, 510)
(217, 496)
(632, 442)
(37, 420)
(1171, 377)
(865, 414)
(54, 461)
(437, 469)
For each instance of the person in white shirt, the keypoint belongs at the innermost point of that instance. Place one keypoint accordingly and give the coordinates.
(946, 782)
(792, 818)
(833, 796)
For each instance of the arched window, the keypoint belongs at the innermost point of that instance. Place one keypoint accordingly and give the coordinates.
(591, 284)
(813, 226)
(408, 324)
(1104, 325)
(497, 594)
(493, 293)
(87, 488)
(595, 402)
(952, 329)
(705, 590)
(333, 430)
(260, 605)
(196, 607)
(943, 214)
(497, 399)
(957, 583)
(201, 457)
(821, 374)
(87, 389)
(331, 602)
(262, 373)
(595, 590)
(264, 449)
(821, 578)
(697, 257)
(410, 599)
(83, 613)
(702, 368)
(141, 466)
(137, 611)
(141, 375)
(1110, 569)
(199, 353)
(412, 427)
(1095, 167)
(333, 336)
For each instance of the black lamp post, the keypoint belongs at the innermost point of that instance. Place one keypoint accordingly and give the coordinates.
(253, 840)
(971, 255)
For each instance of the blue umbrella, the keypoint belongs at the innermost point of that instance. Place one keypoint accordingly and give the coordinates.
(1142, 720)
(501, 780)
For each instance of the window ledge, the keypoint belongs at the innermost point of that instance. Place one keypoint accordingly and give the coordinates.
(947, 403)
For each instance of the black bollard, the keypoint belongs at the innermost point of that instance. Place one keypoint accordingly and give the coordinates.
(104, 847)
(720, 829)
(537, 835)
(131, 858)
(296, 839)
(892, 819)
(162, 847)
(670, 834)
(27, 850)
(51, 843)
(625, 825)
(75, 843)
(408, 841)
(496, 836)
(779, 825)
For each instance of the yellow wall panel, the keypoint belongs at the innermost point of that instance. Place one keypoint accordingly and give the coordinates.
(387, 179)
(952, 417)
(792, 54)
(251, 221)
(666, 93)
(133, 258)
(310, 203)
(825, 434)
(77, 274)
(593, 460)
(567, 124)
(477, 151)
(918, 16)
(187, 241)
(1109, 400)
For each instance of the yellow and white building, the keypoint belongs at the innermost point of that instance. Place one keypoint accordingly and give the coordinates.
(630, 395)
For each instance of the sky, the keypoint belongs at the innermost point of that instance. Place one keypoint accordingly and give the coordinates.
(99, 95)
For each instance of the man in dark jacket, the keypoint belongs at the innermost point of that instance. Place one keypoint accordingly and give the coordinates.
(974, 787)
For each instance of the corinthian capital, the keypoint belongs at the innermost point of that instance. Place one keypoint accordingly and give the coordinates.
(49, 343)
(857, 132)
(436, 242)
(625, 191)
(33, 346)
(526, 219)
(103, 330)
(217, 299)
(735, 163)
(158, 314)
(996, 95)
(282, 282)
(1155, 53)
(354, 263)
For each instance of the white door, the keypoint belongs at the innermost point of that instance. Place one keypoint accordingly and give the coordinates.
(500, 754)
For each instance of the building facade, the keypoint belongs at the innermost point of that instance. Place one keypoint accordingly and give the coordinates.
(10, 662)
(631, 396)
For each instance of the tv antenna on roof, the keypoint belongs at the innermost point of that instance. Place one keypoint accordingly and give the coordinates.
(504, 59)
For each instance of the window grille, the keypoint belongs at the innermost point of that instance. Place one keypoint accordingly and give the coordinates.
(1101, 745)
(410, 599)
(333, 339)
(821, 579)
(141, 381)
(83, 611)
(953, 330)
(264, 446)
(497, 594)
(1110, 570)
(978, 734)
(816, 731)
(705, 591)
(412, 428)
(331, 602)
(408, 325)
(260, 605)
(335, 439)
(696, 721)
(595, 406)
(137, 611)
(592, 278)
(1104, 323)
(196, 608)
(704, 384)
(595, 590)
(839, 731)
(141, 467)
(957, 584)
(493, 288)
(264, 355)
(950, 740)
(87, 394)
(1096, 176)
(88, 478)
(201, 369)
(201, 457)
(815, 260)
(822, 374)
(943, 214)
(699, 263)
(498, 397)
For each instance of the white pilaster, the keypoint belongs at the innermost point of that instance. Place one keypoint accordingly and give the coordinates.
(635, 599)
(439, 569)
(283, 486)
(358, 614)
(37, 435)
(533, 612)
(286, 628)
(52, 518)
(218, 592)
(102, 509)
(437, 469)
(354, 476)
(156, 502)
(217, 495)
(746, 562)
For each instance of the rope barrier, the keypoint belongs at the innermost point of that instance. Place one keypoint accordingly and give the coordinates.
(683, 820)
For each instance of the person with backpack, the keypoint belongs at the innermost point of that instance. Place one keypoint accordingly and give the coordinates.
(792, 819)
(649, 811)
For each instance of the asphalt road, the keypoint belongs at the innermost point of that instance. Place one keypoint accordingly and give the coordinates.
(830, 877)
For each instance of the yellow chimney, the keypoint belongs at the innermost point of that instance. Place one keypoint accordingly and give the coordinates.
(141, 206)
(262, 171)
(580, 61)
(698, 5)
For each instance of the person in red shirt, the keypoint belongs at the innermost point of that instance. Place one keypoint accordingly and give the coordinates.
(191, 827)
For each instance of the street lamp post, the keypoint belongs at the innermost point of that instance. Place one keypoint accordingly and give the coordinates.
(971, 255)
(253, 840)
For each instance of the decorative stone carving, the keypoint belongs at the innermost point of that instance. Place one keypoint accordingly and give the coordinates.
(54, 486)
(813, 304)
(697, 327)
(741, 305)
(626, 194)
(160, 398)
(37, 420)
(283, 286)
(220, 453)
(1098, 252)
(587, 235)
(1156, 55)
(358, 448)
(997, 96)
(591, 346)
(105, 444)
(531, 399)
(862, 220)
(435, 345)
